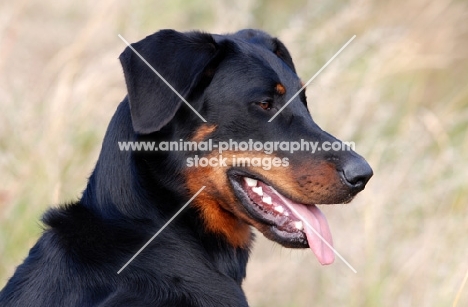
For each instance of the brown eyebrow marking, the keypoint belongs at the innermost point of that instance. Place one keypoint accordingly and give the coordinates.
(202, 132)
(280, 89)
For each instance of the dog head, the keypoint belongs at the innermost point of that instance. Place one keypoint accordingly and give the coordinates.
(233, 85)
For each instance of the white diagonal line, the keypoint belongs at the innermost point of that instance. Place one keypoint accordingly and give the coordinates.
(312, 228)
(162, 78)
(311, 79)
(460, 290)
(159, 231)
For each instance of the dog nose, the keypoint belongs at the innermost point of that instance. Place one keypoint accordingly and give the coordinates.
(357, 173)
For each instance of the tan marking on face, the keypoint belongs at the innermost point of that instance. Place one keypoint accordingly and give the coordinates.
(203, 132)
(280, 89)
(213, 203)
(311, 182)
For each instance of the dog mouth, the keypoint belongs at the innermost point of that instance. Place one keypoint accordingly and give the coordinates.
(287, 222)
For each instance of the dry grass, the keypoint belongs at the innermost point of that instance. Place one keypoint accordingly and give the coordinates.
(399, 91)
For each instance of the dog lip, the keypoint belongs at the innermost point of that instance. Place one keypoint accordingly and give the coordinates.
(286, 225)
(236, 175)
(266, 207)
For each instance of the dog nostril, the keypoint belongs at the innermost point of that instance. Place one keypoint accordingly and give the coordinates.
(357, 174)
(357, 182)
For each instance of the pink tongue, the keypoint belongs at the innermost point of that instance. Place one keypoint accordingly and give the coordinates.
(312, 216)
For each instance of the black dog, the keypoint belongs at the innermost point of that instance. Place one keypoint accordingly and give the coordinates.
(237, 83)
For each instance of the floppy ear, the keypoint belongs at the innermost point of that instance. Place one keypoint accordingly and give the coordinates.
(182, 59)
(271, 43)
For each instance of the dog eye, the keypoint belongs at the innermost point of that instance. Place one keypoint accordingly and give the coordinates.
(265, 105)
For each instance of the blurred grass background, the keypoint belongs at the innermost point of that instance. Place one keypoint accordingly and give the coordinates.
(399, 90)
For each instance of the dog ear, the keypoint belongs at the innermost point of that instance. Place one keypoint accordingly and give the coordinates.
(271, 43)
(184, 60)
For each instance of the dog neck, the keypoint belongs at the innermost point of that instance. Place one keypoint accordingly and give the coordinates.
(111, 188)
(109, 191)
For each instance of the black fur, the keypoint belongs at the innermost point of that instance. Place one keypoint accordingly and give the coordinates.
(131, 195)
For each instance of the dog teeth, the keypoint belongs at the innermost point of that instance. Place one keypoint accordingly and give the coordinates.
(250, 182)
(267, 200)
(258, 190)
(298, 225)
(279, 209)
